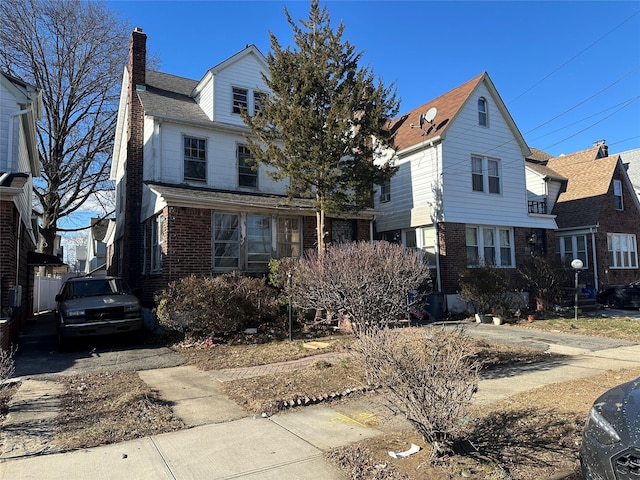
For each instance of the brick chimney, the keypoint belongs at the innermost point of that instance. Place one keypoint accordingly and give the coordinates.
(604, 148)
(132, 248)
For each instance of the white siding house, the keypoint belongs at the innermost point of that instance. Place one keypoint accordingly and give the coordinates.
(188, 200)
(461, 194)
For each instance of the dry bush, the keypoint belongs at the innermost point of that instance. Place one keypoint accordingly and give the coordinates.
(7, 365)
(214, 306)
(366, 281)
(430, 374)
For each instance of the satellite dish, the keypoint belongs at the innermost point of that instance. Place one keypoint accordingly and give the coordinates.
(430, 115)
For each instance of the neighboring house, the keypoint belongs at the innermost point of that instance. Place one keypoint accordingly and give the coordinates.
(20, 108)
(598, 216)
(81, 258)
(461, 193)
(187, 200)
(631, 160)
(96, 252)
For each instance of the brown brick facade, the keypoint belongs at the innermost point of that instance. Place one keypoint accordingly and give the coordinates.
(611, 220)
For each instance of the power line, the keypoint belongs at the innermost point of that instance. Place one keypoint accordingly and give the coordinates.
(573, 58)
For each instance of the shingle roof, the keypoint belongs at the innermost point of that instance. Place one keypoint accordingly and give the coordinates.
(168, 95)
(538, 155)
(447, 105)
(543, 169)
(187, 195)
(632, 158)
(589, 181)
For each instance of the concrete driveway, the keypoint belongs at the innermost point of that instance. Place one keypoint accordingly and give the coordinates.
(38, 354)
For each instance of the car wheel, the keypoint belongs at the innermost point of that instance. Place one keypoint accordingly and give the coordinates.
(615, 301)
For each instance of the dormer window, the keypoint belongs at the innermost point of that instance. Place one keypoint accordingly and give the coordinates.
(617, 194)
(240, 96)
(483, 119)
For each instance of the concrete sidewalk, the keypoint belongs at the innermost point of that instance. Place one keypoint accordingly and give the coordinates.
(225, 442)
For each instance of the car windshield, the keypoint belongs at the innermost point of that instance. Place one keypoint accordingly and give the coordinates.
(92, 287)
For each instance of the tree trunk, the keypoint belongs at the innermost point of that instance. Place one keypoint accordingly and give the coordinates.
(320, 219)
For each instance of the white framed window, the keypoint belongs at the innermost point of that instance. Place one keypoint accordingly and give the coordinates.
(258, 241)
(623, 250)
(385, 191)
(195, 158)
(289, 238)
(429, 246)
(617, 194)
(570, 247)
(485, 175)
(157, 241)
(258, 101)
(226, 241)
(247, 175)
(487, 245)
(483, 114)
(240, 99)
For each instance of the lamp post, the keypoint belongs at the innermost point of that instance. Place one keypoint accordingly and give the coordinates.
(577, 265)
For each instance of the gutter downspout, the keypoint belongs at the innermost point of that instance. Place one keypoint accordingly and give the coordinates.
(595, 258)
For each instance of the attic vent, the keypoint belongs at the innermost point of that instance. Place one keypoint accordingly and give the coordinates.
(141, 88)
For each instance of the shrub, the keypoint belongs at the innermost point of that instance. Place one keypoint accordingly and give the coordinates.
(214, 306)
(483, 287)
(7, 365)
(366, 281)
(545, 278)
(430, 375)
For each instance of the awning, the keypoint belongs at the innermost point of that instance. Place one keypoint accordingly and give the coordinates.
(37, 258)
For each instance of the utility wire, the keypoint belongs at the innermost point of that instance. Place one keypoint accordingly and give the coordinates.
(574, 57)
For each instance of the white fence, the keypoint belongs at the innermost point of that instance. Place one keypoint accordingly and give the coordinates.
(44, 293)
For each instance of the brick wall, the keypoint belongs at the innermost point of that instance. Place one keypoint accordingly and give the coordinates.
(616, 221)
(9, 261)
(453, 254)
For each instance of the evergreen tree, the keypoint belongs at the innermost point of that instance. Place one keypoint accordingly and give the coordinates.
(324, 121)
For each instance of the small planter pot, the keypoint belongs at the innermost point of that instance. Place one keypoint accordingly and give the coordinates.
(497, 320)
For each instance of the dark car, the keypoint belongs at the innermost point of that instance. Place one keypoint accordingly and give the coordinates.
(89, 306)
(621, 296)
(610, 447)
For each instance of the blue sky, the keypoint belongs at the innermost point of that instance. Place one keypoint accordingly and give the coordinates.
(569, 72)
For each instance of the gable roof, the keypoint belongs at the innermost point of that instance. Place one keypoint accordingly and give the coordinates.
(590, 176)
(631, 158)
(448, 107)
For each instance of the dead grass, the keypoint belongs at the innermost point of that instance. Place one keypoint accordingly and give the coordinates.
(104, 408)
(621, 328)
(209, 355)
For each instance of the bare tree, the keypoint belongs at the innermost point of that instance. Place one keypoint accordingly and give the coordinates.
(75, 52)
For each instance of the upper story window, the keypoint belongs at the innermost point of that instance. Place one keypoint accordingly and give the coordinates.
(258, 101)
(485, 174)
(240, 102)
(623, 250)
(483, 114)
(247, 175)
(385, 191)
(617, 194)
(490, 246)
(195, 159)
